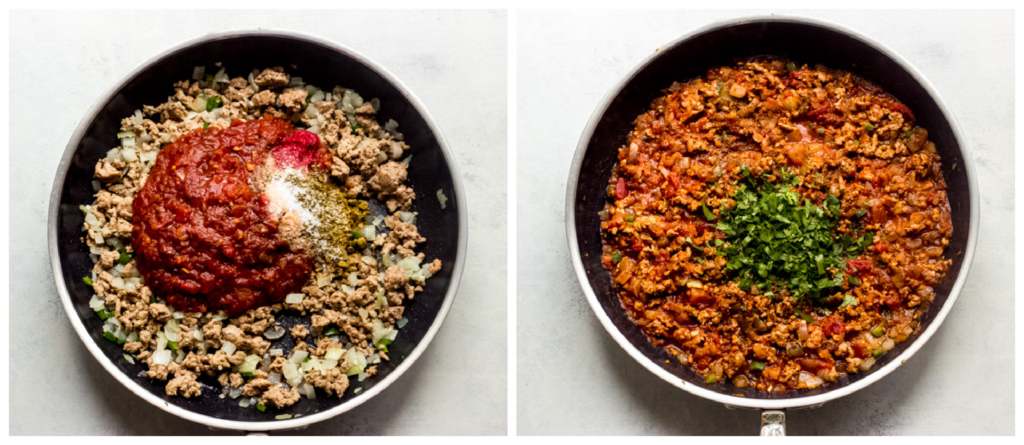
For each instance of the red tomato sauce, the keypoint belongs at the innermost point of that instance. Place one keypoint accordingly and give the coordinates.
(200, 232)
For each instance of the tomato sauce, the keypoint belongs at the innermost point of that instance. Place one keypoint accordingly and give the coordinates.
(200, 231)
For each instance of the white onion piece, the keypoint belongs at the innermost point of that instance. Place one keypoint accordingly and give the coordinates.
(353, 279)
(441, 198)
(228, 348)
(274, 333)
(296, 298)
(162, 357)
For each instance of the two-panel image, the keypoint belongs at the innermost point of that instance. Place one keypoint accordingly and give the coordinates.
(322, 222)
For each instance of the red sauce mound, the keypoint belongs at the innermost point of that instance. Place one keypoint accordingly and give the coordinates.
(201, 237)
(298, 151)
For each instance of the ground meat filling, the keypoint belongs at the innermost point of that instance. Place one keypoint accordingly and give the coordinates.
(835, 140)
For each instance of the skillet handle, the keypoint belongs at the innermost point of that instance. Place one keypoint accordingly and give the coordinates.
(773, 423)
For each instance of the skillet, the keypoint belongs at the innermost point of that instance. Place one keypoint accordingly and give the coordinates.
(803, 40)
(317, 61)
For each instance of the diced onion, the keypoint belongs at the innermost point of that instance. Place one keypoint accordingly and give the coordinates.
(334, 354)
(295, 298)
(228, 348)
(353, 279)
(867, 364)
(274, 378)
(407, 217)
(171, 330)
(370, 232)
(129, 359)
(97, 304)
(357, 361)
(347, 289)
(274, 333)
(401, 323)
(162, 357)
(298, 357)
(441, 198)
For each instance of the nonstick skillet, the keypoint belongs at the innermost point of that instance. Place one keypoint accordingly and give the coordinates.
(319, 62)
(804, 40)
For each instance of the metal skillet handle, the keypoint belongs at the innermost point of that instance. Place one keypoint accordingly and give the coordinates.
(773, 423)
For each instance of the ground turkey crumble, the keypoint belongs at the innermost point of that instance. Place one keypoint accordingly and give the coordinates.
(354, 307)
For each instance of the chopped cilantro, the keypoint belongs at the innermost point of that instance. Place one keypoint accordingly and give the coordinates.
(848, 300)
(707, 213)
(775, 239)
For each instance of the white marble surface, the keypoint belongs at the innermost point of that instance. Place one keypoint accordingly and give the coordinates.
(574, 379)
(454, 61)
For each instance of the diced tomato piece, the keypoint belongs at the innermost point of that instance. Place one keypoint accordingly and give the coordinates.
(813, 364)
(903, 109)
(859, 266)
(833, 325)
(620, 189)
(881, 246)
(893, 302)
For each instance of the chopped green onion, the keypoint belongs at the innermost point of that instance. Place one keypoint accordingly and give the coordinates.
(110, 336)
(261, 407)
(878, 331)
(87, 280)
(124, 258)
(283, 416)
(630, 218)
(331, 332)
(868, 126)
(104, 314)
(756, 366)
(249, 374)
(877, 353)
(617, 256)
(711, 378)
(173, 345)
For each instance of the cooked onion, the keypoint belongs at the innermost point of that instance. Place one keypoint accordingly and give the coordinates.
(275, 333)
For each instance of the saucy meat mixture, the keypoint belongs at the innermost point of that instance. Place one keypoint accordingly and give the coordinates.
(776, 226)
(217, 213)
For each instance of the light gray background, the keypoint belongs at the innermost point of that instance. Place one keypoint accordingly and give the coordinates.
(574, 379)
(454, 61)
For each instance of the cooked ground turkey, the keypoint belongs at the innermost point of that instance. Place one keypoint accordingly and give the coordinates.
(837, 135)
(348, 302)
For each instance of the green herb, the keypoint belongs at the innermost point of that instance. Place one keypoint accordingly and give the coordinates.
(854, 281)
(124, 258)
(110, 336)
(249, 373)
(616, 256)
(848, 300)
(868, 126)
(104, 314)
(707, 213)
(790, 66)
(213, 102)
(87, 281)
(756, 366)
(331, 332)
(357, 234)
(206, 125)
(356, 126)
(856, 143)
(173, 345)
(878, 331)
(383, 348)
(806, 317)
(769, 294)
(821, 130)
(261, 407)
(861, 212)
(776, 239)
(630, 218)
(711, 378)
(877, 353)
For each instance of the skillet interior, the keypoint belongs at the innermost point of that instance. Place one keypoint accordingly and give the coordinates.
(318, 65)
(804, 43)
